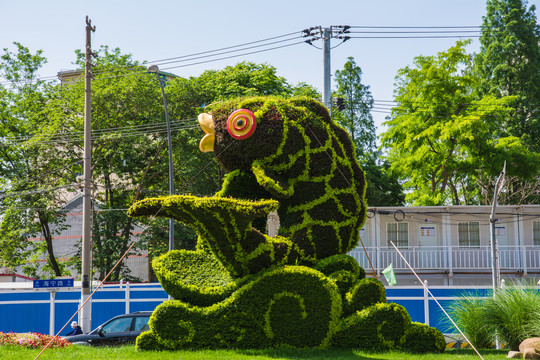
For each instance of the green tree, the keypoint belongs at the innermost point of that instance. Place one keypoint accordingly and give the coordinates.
(125, 164)
(30, 170)
(383, 189)
(440, 137)
(129, 152)
(243, 79)
(356, 115)
(509, 64)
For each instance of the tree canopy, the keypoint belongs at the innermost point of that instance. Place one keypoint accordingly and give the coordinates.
(129, 152)
(354, 114)
(440, 137)
(509, 65)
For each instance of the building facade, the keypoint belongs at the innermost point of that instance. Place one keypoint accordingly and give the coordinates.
(451, 245)
(67, 240)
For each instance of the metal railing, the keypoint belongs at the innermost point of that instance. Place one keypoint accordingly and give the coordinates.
(451, 258)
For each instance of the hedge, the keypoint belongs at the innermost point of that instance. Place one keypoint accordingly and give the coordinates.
(286, 306)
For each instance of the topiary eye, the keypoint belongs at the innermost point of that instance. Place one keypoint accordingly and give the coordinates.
(241, 124)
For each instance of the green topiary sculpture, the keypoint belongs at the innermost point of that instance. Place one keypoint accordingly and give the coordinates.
(244, 289)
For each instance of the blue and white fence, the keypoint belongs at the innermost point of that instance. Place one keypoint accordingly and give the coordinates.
(46, 312)
(42, 311)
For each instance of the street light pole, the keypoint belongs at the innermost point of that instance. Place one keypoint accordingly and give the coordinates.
(495, 268)
(326, 35)
(155, 69)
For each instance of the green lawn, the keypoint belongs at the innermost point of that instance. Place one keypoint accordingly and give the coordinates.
(128, 352)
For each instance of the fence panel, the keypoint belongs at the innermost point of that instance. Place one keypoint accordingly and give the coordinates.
(30, 310)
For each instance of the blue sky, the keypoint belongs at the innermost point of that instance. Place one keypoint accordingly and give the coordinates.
(161, 29)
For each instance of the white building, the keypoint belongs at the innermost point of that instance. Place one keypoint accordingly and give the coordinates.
(450, 245)
(66, 242)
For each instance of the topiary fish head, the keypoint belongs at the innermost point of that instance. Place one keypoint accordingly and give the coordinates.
(241, 131)
(294, 153)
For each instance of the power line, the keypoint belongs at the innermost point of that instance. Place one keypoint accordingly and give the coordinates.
(413, 27)
(219, 51)
(194, 56)
(101, 134)
(233, 56)
(430, 30)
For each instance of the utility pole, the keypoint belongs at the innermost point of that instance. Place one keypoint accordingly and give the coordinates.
(326, 34)
(337, 32)
(496, 273)
(86, 312)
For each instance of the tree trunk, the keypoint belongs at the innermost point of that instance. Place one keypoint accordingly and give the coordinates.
(48, 240)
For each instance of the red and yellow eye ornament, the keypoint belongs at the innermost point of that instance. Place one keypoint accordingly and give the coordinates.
(241, 124)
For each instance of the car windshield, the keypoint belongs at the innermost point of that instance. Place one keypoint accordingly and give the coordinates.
(117, 325)
(141, 323)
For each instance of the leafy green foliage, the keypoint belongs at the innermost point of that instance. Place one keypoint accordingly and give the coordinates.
(265, 301)
(27, 172)
(297, 155)
(340, 262)
(512, 315)
(195, 277)
(421, 338)
(440, 137)
(366, 292)
(383, 187)
(356, 116)
(365, 329)
(509, 64)
(469, 313)
(294, 306)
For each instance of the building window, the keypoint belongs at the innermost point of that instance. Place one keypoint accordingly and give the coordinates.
(398, 233)
(536, 232)
(469, 234)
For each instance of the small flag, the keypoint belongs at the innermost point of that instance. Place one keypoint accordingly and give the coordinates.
(389, 275)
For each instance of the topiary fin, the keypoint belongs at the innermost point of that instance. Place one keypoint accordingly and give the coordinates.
(271, 181)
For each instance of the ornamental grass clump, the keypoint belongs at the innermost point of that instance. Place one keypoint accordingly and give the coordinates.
(511, 316)
(468, 314)
(32, 340)
(514, 313)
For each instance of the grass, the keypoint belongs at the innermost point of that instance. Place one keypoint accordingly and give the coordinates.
(129, 352)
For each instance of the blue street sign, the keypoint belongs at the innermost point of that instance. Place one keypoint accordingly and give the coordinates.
(53, 283)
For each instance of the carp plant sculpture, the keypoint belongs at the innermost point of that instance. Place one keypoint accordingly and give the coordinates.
(244, 289)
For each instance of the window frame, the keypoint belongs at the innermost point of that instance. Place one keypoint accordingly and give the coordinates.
(535, 239)
(468, 242)
(400, 243)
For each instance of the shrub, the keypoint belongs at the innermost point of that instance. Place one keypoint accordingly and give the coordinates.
(195, 277)
(147, 342)
(32, 340)
(378, 327)
(339, 262)
(292, 305)
(366, 292)
(421, 338)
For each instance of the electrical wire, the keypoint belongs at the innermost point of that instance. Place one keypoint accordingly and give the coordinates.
(213, 52)
(429, 32)
(190, 57)
(233, 56)
(104, 134)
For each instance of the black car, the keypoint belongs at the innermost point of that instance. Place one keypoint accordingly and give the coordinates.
(119, 330)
